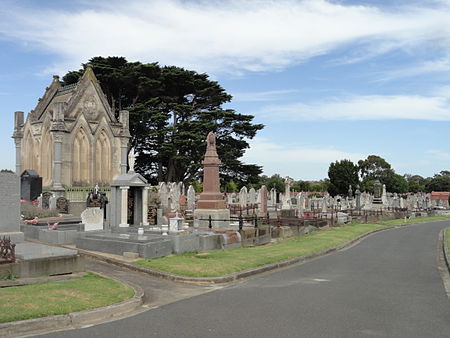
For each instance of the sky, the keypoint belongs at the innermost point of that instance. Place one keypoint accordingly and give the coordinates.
(329, 79)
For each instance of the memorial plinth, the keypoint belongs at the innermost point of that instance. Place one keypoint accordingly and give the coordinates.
(211, 202)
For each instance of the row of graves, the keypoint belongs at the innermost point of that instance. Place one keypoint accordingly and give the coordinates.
(21, 258)
(135, 219)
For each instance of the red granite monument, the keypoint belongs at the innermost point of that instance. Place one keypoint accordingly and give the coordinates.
(211, 201)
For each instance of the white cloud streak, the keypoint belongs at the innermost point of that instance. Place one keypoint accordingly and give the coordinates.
(226, 36)
(272, 95)
(294, 160)
(370, 107)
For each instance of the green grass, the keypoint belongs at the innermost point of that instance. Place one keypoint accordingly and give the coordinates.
(222, 262)
(56, 298)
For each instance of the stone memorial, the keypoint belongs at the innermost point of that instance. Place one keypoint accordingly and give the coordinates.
(62, 205)
(263, 201)
(10, 207)
(243, 197)
(211, 202)
(30, 185)
(129, 198)
(92, 218)
(191, 198)
(377, 192)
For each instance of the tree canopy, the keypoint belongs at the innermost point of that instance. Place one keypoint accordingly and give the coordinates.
(342, 174)
(171, 112)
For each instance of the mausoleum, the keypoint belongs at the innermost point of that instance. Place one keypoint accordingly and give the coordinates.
(72, 137)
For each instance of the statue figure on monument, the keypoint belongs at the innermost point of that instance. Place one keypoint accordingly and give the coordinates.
(211, 139)
(131, 159)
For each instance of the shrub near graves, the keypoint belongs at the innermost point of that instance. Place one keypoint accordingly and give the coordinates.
(30, 211)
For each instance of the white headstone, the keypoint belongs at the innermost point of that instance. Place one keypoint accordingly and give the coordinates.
(191, 198)
(92, 218)
(243, 197)
(252, 196)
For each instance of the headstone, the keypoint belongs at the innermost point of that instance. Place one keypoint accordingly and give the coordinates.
(46, 199)
(30, 185)
(191, 198)
(358, 198)
(62, 205)
(52, 203)
(151, 215)
(252, 196)
(287, 194)
(10, 207)
(263, 201)
(92, 218)
(243, 197)
(377, 192)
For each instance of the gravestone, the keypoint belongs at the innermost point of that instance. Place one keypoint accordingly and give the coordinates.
(62, 205)
(252, 196)
(52, 203)
(358, 198)
(10, 207)
(263, 201)
(191, 198)
(46, 199)
(30, 185)
(92, 218)
(243, 197)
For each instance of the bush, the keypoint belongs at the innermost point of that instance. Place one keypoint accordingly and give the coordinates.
(30, 211)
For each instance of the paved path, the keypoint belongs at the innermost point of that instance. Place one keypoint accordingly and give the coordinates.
(386, 286)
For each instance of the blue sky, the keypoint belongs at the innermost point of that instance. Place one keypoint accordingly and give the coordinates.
(331, 80)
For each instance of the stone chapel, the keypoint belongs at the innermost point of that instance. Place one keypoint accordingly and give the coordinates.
(72, 137)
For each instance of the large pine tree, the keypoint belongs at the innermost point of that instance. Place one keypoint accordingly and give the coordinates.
(171, 112)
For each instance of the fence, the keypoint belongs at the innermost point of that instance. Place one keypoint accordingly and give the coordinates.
(79, 194)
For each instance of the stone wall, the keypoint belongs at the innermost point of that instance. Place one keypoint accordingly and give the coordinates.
(9, 202)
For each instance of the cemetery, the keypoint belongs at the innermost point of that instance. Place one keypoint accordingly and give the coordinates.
(79, 192)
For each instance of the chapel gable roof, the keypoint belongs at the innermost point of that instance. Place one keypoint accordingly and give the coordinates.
(71, 94)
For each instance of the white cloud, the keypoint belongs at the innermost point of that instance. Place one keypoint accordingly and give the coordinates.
(226, 36)
(271, 95)
(370, 107)
(293, 160)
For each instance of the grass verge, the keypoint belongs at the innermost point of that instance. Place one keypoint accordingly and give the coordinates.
(222, 262)
(62, 297)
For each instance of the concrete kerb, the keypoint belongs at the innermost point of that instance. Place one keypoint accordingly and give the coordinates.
(238, 275)
(75, 319)
(445, 249)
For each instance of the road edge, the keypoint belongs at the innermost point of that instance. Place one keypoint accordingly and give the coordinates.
(75, 320)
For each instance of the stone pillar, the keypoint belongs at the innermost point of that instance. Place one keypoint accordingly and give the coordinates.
(17, 136)
(124, 207)
(18, 143)
(124, 117)
(57, 164)
(145, 205)
(58, 129)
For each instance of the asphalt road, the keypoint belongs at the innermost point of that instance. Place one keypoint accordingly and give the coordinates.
(386, 286)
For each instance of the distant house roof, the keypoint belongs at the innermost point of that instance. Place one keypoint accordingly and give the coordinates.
(440, 195)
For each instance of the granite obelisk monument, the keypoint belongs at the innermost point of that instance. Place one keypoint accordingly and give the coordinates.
(211, 201)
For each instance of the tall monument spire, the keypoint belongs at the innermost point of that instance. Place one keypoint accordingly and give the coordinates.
(211, 197)
(211, 204)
